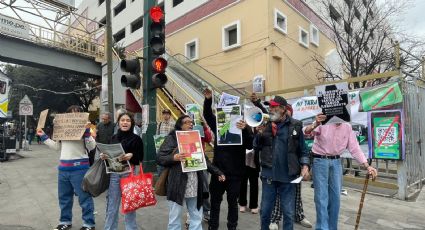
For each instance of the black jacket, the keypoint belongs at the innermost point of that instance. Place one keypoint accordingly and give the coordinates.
(229, 158)
(131, 143)
(104, 132)
(177, 179)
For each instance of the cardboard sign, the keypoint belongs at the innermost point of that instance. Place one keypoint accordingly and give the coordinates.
(333, 99)
(69, 126)
(42, 119)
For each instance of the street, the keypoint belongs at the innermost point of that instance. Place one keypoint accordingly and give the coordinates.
(28, 200)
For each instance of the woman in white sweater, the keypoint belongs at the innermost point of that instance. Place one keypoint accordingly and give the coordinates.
(73, 165)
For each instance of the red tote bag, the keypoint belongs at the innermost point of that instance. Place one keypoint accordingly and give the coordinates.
(136, 191)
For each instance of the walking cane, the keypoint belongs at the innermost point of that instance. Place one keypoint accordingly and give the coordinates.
(359, 213)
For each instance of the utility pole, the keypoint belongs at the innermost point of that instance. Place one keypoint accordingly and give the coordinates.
(109, 55)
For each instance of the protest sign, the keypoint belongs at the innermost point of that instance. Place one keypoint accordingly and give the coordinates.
(158, 140)
(42, 119)
(113, 163)
(386, 134)
(381, 96)
(333, 100)
(190, 144)
(227, 132)
(69, 126)
(227, 99)
(258, 84)
(194, 111)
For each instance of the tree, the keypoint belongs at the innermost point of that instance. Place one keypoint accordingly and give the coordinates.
(50, 89)
(363, 35)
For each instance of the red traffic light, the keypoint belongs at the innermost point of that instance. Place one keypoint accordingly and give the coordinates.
(156, 13)
(159, 65)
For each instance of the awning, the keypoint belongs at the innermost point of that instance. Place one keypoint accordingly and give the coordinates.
(131, 103)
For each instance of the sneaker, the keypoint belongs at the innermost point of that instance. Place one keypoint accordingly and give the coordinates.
(254, 211)
(63, 227)
(344, 192)
(305, 223)
(87, 228)
(242, 209)
(206, 216)
(273, 226)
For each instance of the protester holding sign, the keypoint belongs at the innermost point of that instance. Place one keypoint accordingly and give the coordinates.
(74, 163)
(133, 149)
(231, 160)
(329, 142)
(183, 187)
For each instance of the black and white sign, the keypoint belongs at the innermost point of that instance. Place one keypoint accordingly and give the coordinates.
(25, 106)
(333, 100)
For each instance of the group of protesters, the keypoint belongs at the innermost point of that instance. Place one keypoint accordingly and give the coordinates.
(274, 151)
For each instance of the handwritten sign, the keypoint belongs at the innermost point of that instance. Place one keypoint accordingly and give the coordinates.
(42, 119)
(69, 126)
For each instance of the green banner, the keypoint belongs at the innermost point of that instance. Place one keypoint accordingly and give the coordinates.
(380, 97)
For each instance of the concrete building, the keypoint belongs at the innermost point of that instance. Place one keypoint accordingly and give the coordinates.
(233, 39)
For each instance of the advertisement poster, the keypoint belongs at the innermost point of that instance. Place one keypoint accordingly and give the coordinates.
(381, 96)
(227, 132)
(158, 140)
(194, 111)
(333, 99)
(386, 135)
(190, 144)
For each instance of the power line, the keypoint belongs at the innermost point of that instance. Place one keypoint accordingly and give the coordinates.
(60, 93)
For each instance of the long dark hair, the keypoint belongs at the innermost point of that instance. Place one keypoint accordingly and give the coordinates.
(179, 122)
(74, 108)
(130, 115)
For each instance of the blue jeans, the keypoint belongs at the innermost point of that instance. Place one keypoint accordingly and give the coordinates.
(69, 182)
(327, 177)
(175, 215)
(113, 206)
(268, 198)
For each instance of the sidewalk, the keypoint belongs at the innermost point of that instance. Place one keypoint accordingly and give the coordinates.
(28, 201)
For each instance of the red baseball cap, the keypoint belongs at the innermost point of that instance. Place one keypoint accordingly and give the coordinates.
(277, 101)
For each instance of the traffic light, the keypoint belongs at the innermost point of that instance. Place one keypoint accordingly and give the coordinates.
(157, 47)
(133, 67)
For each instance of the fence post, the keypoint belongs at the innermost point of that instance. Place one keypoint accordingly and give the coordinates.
(402, 180)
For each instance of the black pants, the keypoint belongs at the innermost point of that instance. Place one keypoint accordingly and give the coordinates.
(232, 186)
(251, 176)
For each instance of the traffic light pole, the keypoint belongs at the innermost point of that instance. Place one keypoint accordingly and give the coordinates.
(109, 55)
(149, 94)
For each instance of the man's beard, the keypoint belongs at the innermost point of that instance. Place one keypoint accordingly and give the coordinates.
(275, 116)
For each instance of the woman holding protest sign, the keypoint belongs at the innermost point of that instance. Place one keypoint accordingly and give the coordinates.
(133, 148)
(74, 163)
(182, 186)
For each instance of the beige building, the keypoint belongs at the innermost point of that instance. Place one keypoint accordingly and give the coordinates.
(243, 39)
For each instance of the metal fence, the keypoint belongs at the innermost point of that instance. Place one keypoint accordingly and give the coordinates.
(411, 171)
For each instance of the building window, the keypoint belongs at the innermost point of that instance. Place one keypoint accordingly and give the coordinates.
(119, 35)
(137, 24)
(334, 13)
(314, 32)
(176, 2)
(120, 7)
(231, 36)
(100, 2)
(303, 37)
(102, 22)
(280, 22)
(191, 49)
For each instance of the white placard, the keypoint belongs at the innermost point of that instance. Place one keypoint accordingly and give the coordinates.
(14, 27)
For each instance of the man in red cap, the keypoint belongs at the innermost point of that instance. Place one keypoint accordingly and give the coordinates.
(283, 157)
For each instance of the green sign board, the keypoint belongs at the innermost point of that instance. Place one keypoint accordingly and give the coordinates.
(381, 97)
(386, 135)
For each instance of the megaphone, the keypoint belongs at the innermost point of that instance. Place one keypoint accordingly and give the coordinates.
(254, 116)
